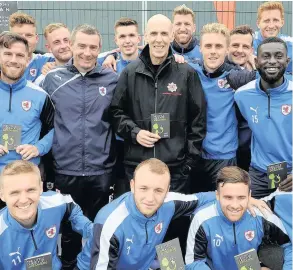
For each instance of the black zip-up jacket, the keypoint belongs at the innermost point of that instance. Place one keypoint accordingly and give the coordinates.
(175, 89)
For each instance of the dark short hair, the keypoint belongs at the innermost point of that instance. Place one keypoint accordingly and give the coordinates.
(124, 21)
(244, 29)
(8, 38)
(232, 174)
(272, 40)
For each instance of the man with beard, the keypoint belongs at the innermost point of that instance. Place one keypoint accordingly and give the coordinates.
(25, 25)
(270, 20)
(266, 104)
(185, 43)
(22, 105)
(57, 37)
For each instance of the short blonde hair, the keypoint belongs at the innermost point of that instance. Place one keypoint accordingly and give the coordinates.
(217, 28)
(19, 167)
(52, 27)
(270, 6)
(155, 166)
(183, 10)
(19, 18)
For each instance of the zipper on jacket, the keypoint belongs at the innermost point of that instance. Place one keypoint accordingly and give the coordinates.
(34, 241)
(146, 232)
(156, 96)
(83, 123)
(234, 234)
(269, 104)
(10, 98)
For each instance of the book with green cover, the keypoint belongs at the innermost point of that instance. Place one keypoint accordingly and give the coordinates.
(161, 124)
(11, 136)
(170, 255)
(248, 260)
(277, 172)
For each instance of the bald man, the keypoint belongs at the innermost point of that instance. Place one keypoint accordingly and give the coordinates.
(155, 86)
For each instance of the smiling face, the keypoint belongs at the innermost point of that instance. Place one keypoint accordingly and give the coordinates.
(183, 27)
(21, 193)
(149, 190)
(159, 35)
(270, 23)
(213, 47)
(233, 198)
(13, 62)
(272, 61)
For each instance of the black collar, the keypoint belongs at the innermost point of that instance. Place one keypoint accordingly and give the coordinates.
(190, 47)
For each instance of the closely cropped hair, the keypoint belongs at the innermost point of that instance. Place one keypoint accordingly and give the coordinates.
(8, 38)
(272, 40)
(243, 30)
(19, 18)
(183, 10)
(217, 28)
(20, 167)
(88, 30)
(52, 27)
(270, 6)
(232, 174)
(155, 165)
(124, 21)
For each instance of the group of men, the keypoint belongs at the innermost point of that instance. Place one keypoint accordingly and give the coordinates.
(214, 101)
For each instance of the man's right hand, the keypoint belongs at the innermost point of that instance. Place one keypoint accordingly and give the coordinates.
(110, 62)
(146, 138)
(3, 150)
(47, 67)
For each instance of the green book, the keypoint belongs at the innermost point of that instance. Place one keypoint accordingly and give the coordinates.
(170, 255)
(276, 173)
(248, 260)
(40, 262)
(11, 136)
(161, 124)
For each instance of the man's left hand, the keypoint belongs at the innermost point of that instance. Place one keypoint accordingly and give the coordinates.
(27, 151)
(261, 205)
(286, 185)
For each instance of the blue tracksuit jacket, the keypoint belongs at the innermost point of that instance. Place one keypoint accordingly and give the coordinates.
(124, 238)
(213, 240)
(18, 243)
(269, 116)
(28, 105)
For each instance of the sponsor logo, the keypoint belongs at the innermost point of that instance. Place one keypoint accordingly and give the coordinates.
(249, 235)
(159, 228)
(103, 90)
(286, 109)
(26, 105)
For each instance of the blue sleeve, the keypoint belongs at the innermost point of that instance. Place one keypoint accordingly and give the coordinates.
(198, 265)
(238, 78)
(79, 222)
(287, 256)
(45, 144)
(84, 257)
(205, 197)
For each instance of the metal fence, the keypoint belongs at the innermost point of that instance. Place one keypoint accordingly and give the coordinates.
(103, 14)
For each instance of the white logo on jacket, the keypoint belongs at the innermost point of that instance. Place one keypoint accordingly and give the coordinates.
(254, 116)
(26, 105)
(286, 109)
(172, 87)
(51, 232)
(103, 90)
(218, 240)
(249, 235)
(33, 72)
(128, 245)
(17, 259)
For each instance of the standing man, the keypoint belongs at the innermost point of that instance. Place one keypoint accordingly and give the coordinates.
(270, 20)
(22, 105)
(266, 104)
(185, 43)
(25, 25)
(165, 87)
(83, 149)
(57, 37)
(225, 228)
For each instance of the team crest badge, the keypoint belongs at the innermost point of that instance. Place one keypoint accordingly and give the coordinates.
(249, 235)
(26, 105)
(222, 83)
(159, 228)
(286, 109)
(172, 87)
(33, 72)
(51, 232)
(103, 91)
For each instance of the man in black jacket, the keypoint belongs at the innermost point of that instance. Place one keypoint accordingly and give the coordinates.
(156, 84)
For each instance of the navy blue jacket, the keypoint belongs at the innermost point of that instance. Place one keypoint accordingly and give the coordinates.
(83, 138)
